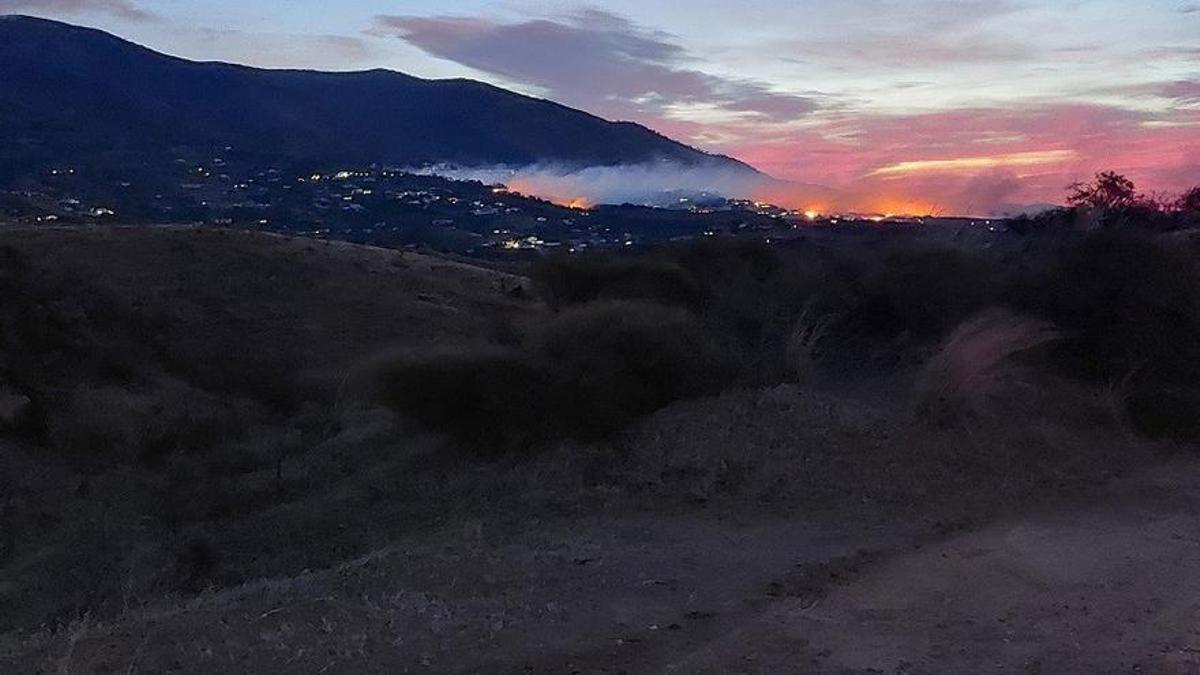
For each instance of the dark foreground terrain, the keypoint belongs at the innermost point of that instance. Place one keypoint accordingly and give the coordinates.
(238, 452)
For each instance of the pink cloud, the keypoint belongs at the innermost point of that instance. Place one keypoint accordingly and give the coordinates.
(967, 158)
(981, 160)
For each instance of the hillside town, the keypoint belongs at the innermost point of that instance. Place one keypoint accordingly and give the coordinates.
(397, 208)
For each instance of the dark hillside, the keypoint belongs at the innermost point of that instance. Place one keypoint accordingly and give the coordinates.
(79, 95)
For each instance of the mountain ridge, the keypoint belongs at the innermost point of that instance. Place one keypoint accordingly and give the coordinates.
(81, 91)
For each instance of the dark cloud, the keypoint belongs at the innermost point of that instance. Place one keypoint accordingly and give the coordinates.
(987, 193)
(124, 9)
(1183, 91)
(593, 59)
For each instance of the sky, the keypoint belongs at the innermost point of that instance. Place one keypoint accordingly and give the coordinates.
(904, 105)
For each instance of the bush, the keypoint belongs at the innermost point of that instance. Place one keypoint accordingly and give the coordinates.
(56, 331)
(771, 307)
(1126, 301)
(1163, 409)
(577, 280)
(587, 373)
(927, 291)
(616, 361)
(1131, 311)
(718, 263)
(489, 400)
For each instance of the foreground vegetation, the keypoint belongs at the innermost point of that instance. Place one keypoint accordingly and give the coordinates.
(1118, 311)
(190, 410)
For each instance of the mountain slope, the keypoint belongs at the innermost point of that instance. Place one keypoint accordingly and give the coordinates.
(74, 93)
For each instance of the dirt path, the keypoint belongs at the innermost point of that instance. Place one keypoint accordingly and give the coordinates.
(1108, 586)
(1112, 586)
(607, 594)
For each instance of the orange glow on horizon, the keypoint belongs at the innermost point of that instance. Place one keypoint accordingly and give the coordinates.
(812, 203)
(545, 191)
(892, 205)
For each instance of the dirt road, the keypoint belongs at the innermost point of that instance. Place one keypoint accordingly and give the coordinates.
(1112, 585)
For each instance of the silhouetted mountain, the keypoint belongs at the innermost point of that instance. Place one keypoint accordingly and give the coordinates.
(71, 94)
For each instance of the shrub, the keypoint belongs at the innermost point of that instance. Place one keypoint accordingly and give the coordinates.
(718, 263)
(1126, 301)
(587, 373)
(927, 291)
(619, 360)
(576, 280)
(57, 330)
(1052, 221)
(489, 400)
(1131, 311)
(564, 281)
(653, 281)
(1163, 409)
(1189, 202)
(761, 299)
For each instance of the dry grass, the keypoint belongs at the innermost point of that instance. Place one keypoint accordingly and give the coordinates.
(790, 445)
(211, 488)
(807, 337)
(976, 364)
(154, 360)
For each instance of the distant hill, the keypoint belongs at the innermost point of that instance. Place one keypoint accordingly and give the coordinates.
(74, 94)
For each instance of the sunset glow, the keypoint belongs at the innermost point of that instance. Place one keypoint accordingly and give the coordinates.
(964, 164)
(553, 192)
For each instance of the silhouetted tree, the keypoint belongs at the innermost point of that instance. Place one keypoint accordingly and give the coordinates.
(1189, 202)
(1109, 191)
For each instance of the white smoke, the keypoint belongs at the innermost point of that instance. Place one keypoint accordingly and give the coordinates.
(649, 183)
